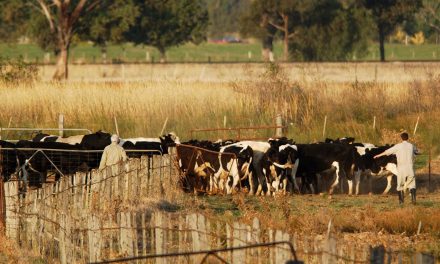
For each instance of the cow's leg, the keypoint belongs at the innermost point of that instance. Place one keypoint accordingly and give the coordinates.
(251, 183)
(335, 183)
(285, 185)
(350, 186)
(357, 179)
(229, 185)
(293, 175)
(391, 167)
(387, 189)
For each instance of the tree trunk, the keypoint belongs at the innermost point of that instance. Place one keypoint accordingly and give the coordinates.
(267, 48)
(286, 46)
(163, 57)
(61, 71)
(382, 43)
(286, 38)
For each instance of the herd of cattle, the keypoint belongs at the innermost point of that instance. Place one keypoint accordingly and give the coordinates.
(67, 155)
(274, 166)
(222, 166)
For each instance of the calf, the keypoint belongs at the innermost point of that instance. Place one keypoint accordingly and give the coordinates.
(224, 169)
(256, 177)
(156, 145)
(385, 165)
(279, 162)
(318, 158)
(233, 168)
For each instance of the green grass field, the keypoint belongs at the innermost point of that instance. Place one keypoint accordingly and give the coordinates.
(238, 52)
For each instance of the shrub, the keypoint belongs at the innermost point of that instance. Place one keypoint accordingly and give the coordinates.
(17, 71)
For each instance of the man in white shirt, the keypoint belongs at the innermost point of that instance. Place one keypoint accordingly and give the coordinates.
(113, 154)
(404, 152)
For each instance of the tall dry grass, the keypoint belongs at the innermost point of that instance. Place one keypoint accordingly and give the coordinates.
(142, 107)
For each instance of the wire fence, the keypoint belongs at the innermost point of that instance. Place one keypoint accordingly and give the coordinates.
(120, 215)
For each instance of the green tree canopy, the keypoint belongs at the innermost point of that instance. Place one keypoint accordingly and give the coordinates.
(13, 14)
(332, 30)
(166, 23)
(388, 14)
(224, 16)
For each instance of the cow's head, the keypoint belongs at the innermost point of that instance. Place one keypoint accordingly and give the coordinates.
(169, 140)
(345, 140)
(282, 154)
(244, 159)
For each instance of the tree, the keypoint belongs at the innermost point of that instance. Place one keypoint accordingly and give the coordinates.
(223, 16)
(332, 30)
(431, 14)
(388, 14)
(64, 18)
(12, 16)
(282, 15)
(111, 24)
(166, 23)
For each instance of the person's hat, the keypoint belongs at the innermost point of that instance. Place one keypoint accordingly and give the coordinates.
(114, 138)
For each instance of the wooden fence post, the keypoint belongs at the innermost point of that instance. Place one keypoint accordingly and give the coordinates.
(2, 199)
(61, 125)
(329, 250)
(324, 127)
(425, 258)
(377, 255)
(279, 124)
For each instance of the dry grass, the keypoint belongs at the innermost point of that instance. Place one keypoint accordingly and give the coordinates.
(142, 107)
(360, 221)
(10, 252)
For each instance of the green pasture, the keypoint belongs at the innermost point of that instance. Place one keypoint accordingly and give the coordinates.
(205, 52)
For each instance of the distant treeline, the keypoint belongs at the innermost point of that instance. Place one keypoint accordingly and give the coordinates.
(313, 30)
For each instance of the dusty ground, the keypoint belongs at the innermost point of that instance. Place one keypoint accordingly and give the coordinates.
(357, 221)
(10, 252)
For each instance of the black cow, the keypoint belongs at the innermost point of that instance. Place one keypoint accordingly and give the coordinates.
(322, 158)
(385, 165)
(96, 141)
(158, 145)
(53, 158)
(367, 165)
(42, 137)
(8, 159)
(343, 140)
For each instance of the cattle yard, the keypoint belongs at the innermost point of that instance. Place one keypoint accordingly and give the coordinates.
(141, 212)
(138, 211)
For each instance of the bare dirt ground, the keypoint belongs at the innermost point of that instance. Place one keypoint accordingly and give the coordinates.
(357, 221)
(10, 252)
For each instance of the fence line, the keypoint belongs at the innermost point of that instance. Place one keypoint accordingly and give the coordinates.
(93, 217)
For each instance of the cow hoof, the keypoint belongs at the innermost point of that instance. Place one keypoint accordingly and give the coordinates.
(330, 197)
(370, 193)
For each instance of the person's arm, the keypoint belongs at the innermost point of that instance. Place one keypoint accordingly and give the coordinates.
(388, 152)
(103, 160)
(416, 150)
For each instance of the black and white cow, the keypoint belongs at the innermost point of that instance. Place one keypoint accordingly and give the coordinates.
(382, 166)
(156, 145)
(232, 169)
(316, 159)
(279, 164)
(95, 141)
(224, 168)
(257, 178)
